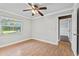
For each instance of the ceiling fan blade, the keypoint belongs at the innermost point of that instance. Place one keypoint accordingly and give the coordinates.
(36, 6)
(40, 13)
(27, 10)
(42, 8)
(30, 4)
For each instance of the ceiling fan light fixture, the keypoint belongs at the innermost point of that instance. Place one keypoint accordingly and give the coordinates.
(33, 11)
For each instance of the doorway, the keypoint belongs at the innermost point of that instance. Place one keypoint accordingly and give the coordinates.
(65, 27)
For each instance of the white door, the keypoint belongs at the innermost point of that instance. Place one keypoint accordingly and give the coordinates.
(74, 29)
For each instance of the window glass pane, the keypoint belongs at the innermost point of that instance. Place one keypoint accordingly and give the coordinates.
(10, 26)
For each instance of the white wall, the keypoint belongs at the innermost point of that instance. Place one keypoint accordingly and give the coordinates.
(15, 37)
(46, 28)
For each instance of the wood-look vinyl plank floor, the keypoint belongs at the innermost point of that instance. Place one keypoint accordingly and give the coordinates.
(34, 48)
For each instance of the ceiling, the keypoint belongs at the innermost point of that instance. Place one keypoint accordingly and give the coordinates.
(18, 7)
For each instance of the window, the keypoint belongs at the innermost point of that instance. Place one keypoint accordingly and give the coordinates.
(10, 26)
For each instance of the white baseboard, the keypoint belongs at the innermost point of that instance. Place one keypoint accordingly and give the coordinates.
(56, 43)
(26, 40)
(13, 43)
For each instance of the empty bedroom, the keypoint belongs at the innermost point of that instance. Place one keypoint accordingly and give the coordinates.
(39, 29)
